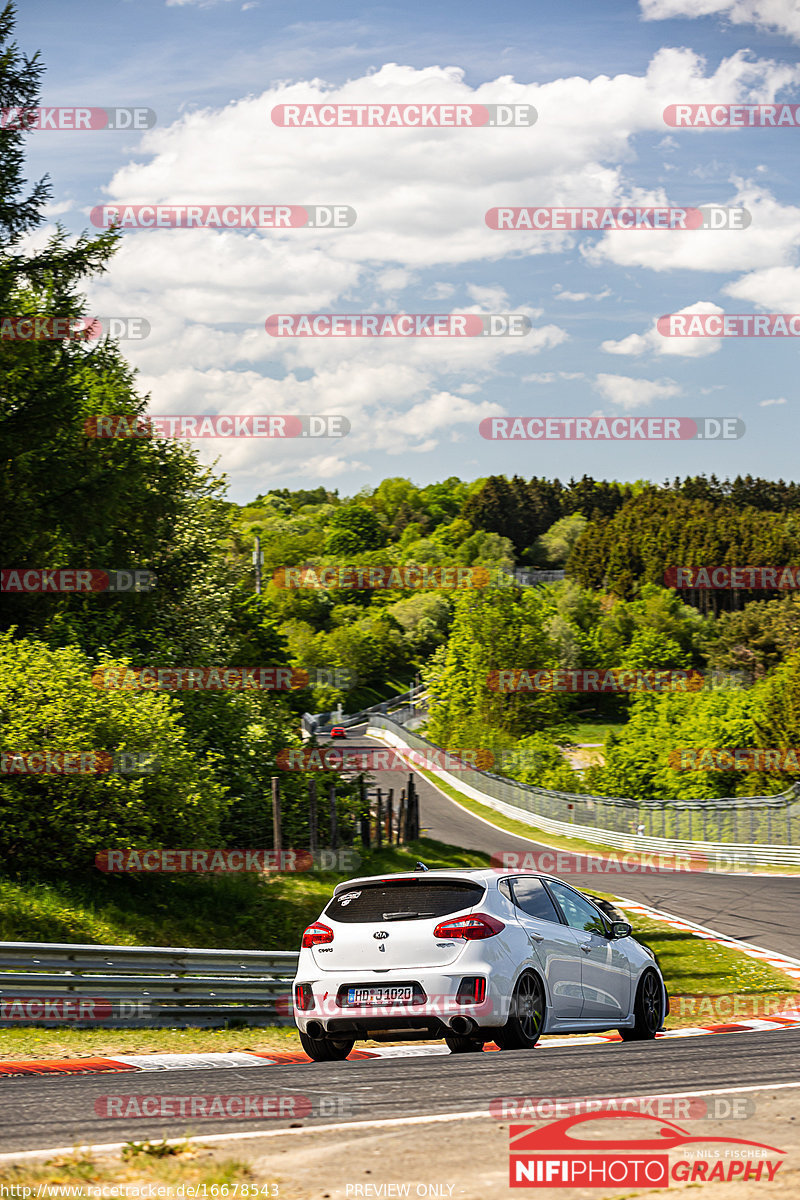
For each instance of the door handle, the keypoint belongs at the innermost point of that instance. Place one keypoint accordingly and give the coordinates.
(536, 937)
(586, 948)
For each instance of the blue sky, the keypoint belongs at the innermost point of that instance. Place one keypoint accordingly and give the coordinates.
(599, 76)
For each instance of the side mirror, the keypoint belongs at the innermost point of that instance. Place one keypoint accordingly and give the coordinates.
(620, 929)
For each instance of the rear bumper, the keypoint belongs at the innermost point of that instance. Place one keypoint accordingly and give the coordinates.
(432, 1016)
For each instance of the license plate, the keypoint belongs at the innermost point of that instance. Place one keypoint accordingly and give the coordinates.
(380, 995)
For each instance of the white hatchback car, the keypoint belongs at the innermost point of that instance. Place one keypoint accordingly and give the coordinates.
(471, 956)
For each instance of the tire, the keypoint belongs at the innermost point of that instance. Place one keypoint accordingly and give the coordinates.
(326, 1049)
(647, 1010)
(526, 1017)
(463, 1045)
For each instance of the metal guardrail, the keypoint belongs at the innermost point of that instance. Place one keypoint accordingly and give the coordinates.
(613, 821)
(403, 707)
(52, 983)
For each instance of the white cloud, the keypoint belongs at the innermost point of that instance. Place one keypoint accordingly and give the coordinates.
(631, 393)
(769, 240)
(394, 280)
(551, 376)
(776, 289)
(769, 403)
(576, 297)
(653, 342)
(491, 299)
(780, 15)
(201, 3)
(207, 293)
(440, 291)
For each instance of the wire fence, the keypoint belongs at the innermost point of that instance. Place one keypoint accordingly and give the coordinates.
(756, 820)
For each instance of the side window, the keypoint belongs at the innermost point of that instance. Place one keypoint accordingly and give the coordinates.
(580, 913)
(504, 888)
(530, 895)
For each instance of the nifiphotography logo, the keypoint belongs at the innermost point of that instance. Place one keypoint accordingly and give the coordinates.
(552, 1156)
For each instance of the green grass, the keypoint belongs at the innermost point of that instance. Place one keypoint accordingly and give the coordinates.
(236, 912)
(588, 732)
(691, 967)
(32, 1042)
(145, 1164)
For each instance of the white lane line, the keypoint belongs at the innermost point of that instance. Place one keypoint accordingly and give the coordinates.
(195, 1062)
(388, 1122)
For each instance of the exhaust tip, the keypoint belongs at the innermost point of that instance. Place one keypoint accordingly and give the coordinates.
(314, 1029)
(462, 1026)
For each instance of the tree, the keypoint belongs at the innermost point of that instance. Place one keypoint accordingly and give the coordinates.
(354, 529)
(52, 821)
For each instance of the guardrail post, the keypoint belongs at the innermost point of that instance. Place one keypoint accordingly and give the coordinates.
(364, 813)
(276, 814)
(401, 818)
(389, 815)
(313, 844)
(378, 831)
(334, 821)
(413, 810)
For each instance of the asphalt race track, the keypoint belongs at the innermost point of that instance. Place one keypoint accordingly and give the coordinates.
(59, 1112)
(764, 909)
(41, 1113)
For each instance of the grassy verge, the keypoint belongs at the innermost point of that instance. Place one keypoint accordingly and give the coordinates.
(140, 1164)
(729, 984)
(587, 731)
(234, 912)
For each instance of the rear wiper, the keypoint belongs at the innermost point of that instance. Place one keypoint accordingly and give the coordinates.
(397, 916)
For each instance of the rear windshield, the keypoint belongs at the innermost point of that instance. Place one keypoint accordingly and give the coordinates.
(406, 900)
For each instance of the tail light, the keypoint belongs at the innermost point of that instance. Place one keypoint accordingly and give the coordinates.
(473, 928)
(471, 990)
(317, 935)
(303, 996)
